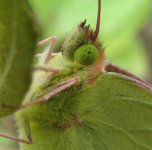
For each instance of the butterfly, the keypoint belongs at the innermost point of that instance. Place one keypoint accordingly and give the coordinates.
(78, 101)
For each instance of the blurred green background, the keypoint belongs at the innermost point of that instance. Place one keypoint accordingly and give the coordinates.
(121, 23)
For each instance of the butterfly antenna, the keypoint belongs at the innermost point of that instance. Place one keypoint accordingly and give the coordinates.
(95, 34)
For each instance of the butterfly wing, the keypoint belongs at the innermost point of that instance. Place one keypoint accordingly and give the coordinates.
(113, 113)
(122, 110)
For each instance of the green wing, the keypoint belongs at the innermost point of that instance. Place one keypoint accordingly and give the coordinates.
(124, 112)
(115, 113)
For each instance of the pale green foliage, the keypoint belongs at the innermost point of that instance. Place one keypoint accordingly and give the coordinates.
(17, 43)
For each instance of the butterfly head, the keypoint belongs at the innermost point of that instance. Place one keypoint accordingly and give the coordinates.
(83, 46)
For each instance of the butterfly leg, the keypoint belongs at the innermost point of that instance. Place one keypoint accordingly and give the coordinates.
(47, 69)
(28, 133)
(52, 40)
(61, 87)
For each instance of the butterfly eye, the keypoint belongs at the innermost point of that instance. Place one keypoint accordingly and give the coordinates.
(86, 54)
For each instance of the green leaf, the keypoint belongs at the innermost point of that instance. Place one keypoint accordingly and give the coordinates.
(18, 37)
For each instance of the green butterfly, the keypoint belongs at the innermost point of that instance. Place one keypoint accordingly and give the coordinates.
(77, 101)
